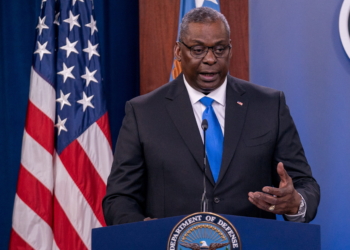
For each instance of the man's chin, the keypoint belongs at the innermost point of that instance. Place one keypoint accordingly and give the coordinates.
(209, 86)
(205, 86)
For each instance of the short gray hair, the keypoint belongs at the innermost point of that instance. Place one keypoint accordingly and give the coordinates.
(202, 15)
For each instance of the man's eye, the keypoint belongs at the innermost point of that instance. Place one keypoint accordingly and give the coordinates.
(198, 50)
(219, 49)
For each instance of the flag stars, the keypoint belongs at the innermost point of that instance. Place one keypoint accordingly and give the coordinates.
(63, 100)
(86, 101)
(92, 25)
(66, 72)
(70, 47)
(57, 16)
(89, 76)
(72, 20)
(42, 3)
(91, 50)
(60, 125)
(74, 1)
(42, 50)
(42, 25)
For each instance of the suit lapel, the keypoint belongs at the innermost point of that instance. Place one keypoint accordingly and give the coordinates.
(180, 110)
(234, 121)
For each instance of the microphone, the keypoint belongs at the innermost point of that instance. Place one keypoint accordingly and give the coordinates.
(204, 202)
(204, 126)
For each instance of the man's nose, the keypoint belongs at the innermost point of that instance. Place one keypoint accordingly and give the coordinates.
(210, 57)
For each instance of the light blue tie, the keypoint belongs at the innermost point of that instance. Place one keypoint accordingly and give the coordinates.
(214, 138)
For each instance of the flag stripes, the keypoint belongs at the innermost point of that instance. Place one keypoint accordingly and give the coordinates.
(44, 208)
(54, 246)
(40, 127)
(66, 237)
(69, 196)
(37, 161)
(20, 243)
(103, 123)
(94, 151)
(41, 94)
(80, 168)
(37, 234)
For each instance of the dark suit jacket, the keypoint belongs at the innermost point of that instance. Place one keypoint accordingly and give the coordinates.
(158, 161)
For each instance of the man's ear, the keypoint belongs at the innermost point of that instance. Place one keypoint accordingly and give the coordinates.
(230, 50)
(177, 51)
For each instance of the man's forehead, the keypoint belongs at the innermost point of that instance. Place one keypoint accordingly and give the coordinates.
(203, 25)
(201, 32)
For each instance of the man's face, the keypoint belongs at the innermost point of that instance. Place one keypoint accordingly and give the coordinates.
(208, 73)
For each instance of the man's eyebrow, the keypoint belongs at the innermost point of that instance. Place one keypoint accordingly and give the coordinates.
(202, 43)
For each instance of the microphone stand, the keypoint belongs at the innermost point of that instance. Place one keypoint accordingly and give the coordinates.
(204, 202)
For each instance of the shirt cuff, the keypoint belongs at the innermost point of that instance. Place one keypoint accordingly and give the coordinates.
(300, 216)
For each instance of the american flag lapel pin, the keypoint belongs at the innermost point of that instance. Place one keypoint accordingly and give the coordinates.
(240, 103)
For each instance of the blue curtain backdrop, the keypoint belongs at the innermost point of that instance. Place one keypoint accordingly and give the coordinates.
(295, 47)
(117, 23)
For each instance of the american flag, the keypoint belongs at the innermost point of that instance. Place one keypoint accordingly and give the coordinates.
(66, 149)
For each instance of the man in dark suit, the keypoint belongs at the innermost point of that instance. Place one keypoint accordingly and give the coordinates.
(158, 162)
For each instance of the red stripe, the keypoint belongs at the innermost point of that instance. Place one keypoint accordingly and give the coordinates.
(85, 176)
(40, 127)
(35, 195)
(17, 243)
(64, 233)
(103, 123)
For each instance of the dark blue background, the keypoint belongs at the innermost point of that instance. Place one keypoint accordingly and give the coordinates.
(117, 23)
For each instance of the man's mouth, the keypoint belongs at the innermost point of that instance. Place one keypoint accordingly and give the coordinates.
(208, 76)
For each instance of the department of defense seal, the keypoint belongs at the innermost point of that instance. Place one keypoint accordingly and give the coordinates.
(344, 26)
(201, 231)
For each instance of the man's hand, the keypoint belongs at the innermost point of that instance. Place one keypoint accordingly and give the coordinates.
(282, 200)
(149, 218)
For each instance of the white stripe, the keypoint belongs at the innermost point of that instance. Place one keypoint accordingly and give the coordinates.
(74, 204)
(37, 161)
(27, 224)
(42, 95)
(54, 245)
(98, 149)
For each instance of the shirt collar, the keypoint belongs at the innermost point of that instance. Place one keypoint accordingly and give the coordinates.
(219, 94)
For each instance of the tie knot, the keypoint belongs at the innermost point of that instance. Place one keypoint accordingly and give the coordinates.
(206, 101)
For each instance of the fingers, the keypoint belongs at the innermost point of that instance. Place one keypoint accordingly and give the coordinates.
(282, 172)
(262, 201)
(278, 192)
(269, 199)
(282, 200)
(149, 218)
(269, 203)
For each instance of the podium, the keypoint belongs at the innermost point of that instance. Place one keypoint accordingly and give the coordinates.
(254, 234)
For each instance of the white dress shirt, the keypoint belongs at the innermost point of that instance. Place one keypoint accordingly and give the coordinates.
(219, 106)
